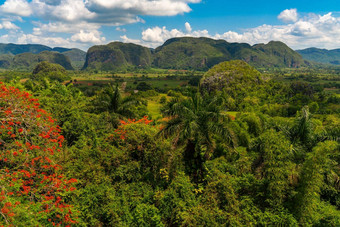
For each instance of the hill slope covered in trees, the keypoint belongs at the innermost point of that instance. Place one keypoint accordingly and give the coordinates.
(117, 55)
(192, 53)
(8, 53)
(321, 55)
(27, 61)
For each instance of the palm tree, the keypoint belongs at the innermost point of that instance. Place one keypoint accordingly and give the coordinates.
(112, 102)
(194, 121)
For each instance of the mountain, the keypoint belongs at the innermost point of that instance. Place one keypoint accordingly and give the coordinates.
(203, 53)
(76, 56)
(117, 55)
(192, 53)
(14, 49)
(321, 55)
(27, 61)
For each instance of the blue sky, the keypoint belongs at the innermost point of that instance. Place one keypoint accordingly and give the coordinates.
(83, 23)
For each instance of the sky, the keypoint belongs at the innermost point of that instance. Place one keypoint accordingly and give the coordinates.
(84, 23)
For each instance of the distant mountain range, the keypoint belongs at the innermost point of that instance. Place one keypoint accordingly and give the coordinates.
(26, 56)
(191, 53)
(176, 53)
(321, 55)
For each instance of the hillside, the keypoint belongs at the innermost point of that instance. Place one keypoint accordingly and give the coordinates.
(14, 49)
(8, 51)
(233, 75)
(321, 55)
(27, 61)
(76, 56)
(192, 53)
(117, 55)
(203, 53)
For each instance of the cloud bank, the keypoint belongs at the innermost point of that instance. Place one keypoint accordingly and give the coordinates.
(82, 19)
(313, 30)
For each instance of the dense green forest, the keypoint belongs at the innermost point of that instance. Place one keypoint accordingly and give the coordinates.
(229, 147)
(189, 53)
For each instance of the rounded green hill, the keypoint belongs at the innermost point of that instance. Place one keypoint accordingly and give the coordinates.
(230, 74)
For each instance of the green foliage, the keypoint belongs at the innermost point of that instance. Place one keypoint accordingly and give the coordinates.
(143, 86)
(27, 61)
(321, 55)
(190, 53)
(268, 162)
(117, 55)
(51, 71)
(203, 53)
(310, 209)
(277, 166)
(111, 102)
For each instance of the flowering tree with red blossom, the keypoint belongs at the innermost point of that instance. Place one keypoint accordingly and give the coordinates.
(33, 189)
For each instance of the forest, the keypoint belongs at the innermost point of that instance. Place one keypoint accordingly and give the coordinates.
(230, 146)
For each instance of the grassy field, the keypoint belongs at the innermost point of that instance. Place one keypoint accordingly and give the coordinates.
(154, 106)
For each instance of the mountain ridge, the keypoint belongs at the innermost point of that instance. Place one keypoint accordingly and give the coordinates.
(321, 55)
(75, 55)
(193, 53)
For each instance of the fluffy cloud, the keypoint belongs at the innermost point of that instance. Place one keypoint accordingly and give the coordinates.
(110, 12)
(8, 25)
(157, 36)
(84, 18)
(49, 41)
(313, 30)
(65, 10)
(188, 27)
(310, 31)
(141, 7)
(125, 39)
(288, 15)
(61, 27)
(16, 7)
(88, 37)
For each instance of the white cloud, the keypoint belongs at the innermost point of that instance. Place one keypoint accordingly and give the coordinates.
(84, 18)
(65, 10)
(49, 41)
(312, 30)
(157, 36)
(16, 7)
(125, 39)
(8, 25)
(62, 27)
(188, 27)
(141, 7)
(109, 12)
(288, 15)
(88, 37)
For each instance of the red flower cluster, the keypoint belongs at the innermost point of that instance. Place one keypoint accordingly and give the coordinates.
(122, 132)
(32, 185)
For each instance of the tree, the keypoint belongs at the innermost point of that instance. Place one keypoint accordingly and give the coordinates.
(33, 188)
(310, 209)
(193, 122)
(110, 100)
